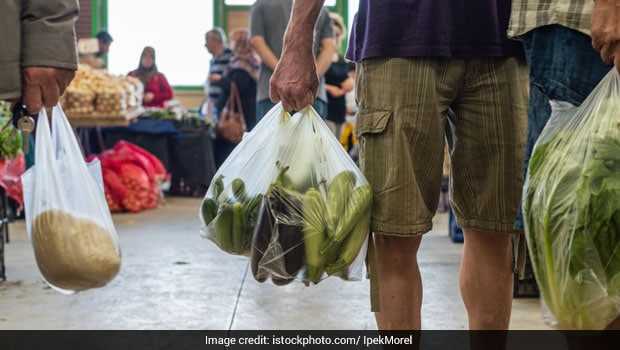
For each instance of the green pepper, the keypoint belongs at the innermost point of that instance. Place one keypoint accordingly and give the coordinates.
(314, 234)
(223, 228)
(208, 210)
(338, 193)
(351, 247)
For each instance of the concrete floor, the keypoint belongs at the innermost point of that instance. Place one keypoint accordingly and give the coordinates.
(173, 279)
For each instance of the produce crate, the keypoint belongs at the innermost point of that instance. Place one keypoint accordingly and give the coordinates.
(81, 120)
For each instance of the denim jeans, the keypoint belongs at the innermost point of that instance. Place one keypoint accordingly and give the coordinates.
(264, 106)
(564, 67)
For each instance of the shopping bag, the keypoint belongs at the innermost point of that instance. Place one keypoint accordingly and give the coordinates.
(290, 198)
(231, 124)
(68, 221)
(571, 207)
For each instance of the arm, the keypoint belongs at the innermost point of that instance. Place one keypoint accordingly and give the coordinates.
(328, 50)
(348, 85)
(606, 30)
(334, 91)
(295, 80)
(264, 52)
(258, 32)
(164, 93)
(49, 50)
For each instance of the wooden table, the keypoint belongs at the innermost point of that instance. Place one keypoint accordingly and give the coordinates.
(93, 120)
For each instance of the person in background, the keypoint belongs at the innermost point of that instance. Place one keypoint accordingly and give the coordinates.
(215, 42)
(268, 20)
(570, 46)
(337, 81)
(243, 73)
(416, 60)
(98, 60)
(157, 91)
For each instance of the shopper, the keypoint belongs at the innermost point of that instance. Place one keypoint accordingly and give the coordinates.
(268, 20)
(157, 91)
(98, 60)
(215, 42)
(337, 81)
(243, 73)
(416, 59)
(38, 58)
(570, 46)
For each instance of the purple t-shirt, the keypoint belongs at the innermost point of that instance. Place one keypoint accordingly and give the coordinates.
(431, 28)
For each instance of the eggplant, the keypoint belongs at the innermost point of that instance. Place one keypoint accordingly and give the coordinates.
(260, 241)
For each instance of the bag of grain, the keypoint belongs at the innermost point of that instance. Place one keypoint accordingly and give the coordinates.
(67, 217)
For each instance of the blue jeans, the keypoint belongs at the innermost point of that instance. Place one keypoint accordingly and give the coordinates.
(564, 67)
(264, 106)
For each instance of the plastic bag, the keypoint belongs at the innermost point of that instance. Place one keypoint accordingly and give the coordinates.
(571, 208)
(72, 233)
(291, 199)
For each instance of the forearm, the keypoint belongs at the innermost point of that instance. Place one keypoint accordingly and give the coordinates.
(48, 33)
(264, 52)
(324, 60)
(300, 31)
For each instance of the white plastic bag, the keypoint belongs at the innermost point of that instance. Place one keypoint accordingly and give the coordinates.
(571, 206)
(291, 199)
(67, 217)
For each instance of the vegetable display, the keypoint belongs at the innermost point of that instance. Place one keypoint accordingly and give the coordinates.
(291, 200)
(572, 210)
(10, 138)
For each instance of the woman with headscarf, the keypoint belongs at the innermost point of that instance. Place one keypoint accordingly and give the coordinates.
(156, 88)
(243, 72)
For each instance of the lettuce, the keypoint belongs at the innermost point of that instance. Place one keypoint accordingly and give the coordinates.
(572, 214)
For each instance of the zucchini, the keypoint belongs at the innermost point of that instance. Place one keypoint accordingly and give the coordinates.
(314, 234)
(223, 228)
(351, 247)
(208, 210)
(358, 205)
(338, 193)
(238, 189)
(239, 236)
(218, 187)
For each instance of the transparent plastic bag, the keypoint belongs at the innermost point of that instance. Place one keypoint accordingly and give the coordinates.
(67, 218)
(290, 198)
(571, 205)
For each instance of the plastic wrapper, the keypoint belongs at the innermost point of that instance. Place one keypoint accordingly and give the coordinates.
(572, 210)
(291, 199)
(74, 240)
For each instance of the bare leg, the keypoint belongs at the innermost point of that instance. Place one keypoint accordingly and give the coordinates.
(400, 283)
(487, 279)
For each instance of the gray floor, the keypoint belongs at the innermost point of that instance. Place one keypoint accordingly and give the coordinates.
(173, 279)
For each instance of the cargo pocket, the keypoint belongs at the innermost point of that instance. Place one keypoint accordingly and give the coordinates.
(371, 133)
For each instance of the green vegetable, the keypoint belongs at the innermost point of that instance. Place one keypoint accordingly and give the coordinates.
(10, 138)
(208, 210)
(572, 214)
(314, 234)
(218, 187)
(239, 233)
(351, 248)
(358, 205)
(338, 194)
(223, 228)
(238, 188)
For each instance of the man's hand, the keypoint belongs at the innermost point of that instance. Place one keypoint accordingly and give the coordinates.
(295, 80)
(606, 30)
(43, 87)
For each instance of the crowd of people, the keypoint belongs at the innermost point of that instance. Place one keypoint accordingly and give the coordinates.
(246, 61)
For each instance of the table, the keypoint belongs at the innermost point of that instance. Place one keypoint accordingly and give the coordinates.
(93, 120)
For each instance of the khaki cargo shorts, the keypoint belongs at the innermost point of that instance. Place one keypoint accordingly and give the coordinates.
(403, 126)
